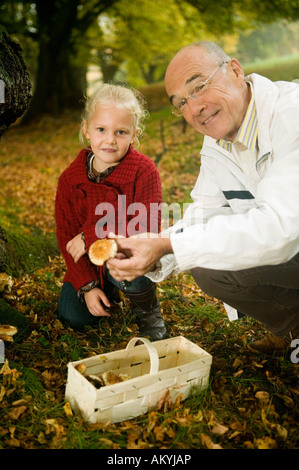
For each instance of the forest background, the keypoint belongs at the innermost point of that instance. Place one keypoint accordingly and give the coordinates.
(69, 46)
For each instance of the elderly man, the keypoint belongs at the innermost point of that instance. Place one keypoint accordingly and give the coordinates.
(240, 236)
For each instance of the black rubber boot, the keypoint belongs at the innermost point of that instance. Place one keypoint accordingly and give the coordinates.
(146, 306)
(112, 293)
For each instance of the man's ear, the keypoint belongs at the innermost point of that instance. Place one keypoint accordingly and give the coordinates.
(237, 70)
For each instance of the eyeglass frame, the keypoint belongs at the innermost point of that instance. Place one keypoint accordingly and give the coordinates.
(176, 111)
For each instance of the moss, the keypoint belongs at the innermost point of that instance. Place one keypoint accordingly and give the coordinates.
(27, 253)
(25, 249)
(11, 316)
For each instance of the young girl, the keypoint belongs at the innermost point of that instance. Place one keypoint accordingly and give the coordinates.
(99, 188)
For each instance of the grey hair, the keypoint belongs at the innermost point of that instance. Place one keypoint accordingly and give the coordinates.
(214, 50)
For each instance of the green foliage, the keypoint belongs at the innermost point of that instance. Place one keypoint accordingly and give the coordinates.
(129, 42)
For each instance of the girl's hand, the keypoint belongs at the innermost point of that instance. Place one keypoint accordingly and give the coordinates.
(93, 301)
(76, 247)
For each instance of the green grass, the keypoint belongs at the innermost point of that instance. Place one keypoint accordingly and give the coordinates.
(281, 68)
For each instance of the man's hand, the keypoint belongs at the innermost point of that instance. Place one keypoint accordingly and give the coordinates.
(93, 301)
(142, 253)
(76, 247)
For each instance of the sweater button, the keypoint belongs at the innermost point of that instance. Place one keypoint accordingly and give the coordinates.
(81, 193)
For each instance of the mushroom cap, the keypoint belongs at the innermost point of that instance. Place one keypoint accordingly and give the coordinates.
(102, 250)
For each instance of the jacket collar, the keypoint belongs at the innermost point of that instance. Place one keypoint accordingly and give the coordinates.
(265, 95)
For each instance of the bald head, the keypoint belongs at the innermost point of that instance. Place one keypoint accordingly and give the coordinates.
(202, 49)
(204, 71)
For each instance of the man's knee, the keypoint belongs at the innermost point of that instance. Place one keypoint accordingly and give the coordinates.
(212, 282)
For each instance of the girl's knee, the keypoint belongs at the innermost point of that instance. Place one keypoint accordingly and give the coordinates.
(72, 310)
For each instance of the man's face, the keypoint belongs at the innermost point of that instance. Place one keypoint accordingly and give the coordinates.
(219, 110)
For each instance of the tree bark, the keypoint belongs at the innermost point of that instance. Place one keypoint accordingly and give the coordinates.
(54, 81)
(15, 91)
(61, 26)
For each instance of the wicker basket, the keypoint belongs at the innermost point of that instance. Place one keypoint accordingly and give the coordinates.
(176, 364)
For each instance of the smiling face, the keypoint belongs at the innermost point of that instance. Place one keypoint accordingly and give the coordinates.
(219, 111)
(110, 131)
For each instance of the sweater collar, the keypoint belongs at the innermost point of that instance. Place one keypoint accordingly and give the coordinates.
(77, 173)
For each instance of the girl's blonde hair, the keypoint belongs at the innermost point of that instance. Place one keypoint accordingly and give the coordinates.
(116, 95)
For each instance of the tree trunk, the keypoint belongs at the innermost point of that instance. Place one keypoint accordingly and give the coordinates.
(56, 85)
(15, 87)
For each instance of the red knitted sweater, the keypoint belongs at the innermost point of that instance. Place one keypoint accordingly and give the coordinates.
(98, 208)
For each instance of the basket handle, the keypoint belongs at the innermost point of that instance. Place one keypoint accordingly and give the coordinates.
(154, 358)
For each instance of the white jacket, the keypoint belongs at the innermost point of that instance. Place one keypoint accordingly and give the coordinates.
(233, 224)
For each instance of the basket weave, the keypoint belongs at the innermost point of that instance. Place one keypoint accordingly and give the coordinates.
(175, 364)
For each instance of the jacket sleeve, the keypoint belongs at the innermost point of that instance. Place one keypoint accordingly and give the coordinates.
(67, 227)
(207, 201)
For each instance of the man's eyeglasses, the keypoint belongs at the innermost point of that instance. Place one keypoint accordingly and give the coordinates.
(180, 106)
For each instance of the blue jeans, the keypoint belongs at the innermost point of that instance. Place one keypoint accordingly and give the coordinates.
(75, 312)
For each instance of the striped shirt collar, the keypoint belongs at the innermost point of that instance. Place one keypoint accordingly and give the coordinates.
(247, 134)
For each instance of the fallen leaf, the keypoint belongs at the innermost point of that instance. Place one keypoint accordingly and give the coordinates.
(2, 393)
(265, 442)
(263, 398)
(237, 362)
(111, 444)
(288, 401)
(16, 412)
(6, 282)
(159, 432)
(68, 410)
(219, 429)
(165, 403)
(273, 427)
(54, 426)
(133, 438)
(237, 425)
(249, 444)
(41, 438)
(207, 441)
(13, 442)
(236, 374)
(255, 364)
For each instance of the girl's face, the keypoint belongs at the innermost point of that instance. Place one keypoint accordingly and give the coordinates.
(110, 131)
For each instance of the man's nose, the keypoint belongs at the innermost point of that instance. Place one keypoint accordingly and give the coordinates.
(196, 106)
